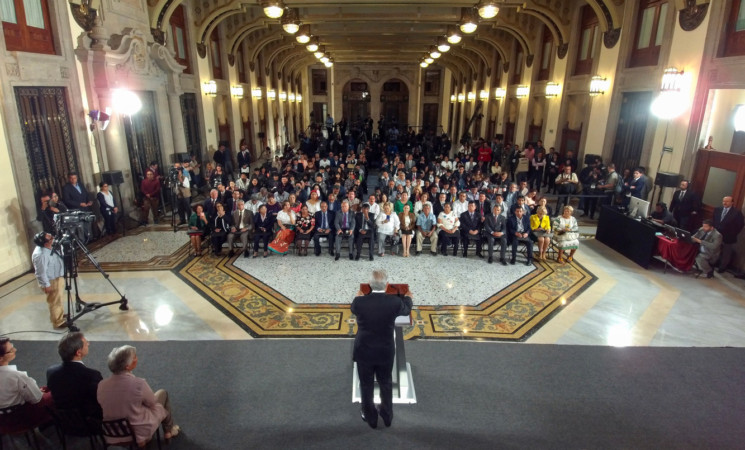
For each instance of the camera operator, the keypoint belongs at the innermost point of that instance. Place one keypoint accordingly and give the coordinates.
(180, 182)
(150, 188)
(75, 195)
(50, 270)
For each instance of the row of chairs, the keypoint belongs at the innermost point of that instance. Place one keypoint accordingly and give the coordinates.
(73, 423)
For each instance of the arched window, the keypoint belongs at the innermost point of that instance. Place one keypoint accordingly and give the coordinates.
(26, 26)
(650, 30)
(180, 38)
(589, 35)
(734, 40)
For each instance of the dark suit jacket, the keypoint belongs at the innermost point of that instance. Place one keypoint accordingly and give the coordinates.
(244, 160)
(359, 219)
(74, 386)
(466, 224)
(487, 208)
(495, 224)
(731, 226)
(319, 219)
(691, 202)
(339, 220)
(512, 226)
(72, 197)
(209, 210)
(248, 220)
(640, 188)
(376, 314)
(267, 223)
(103, 206)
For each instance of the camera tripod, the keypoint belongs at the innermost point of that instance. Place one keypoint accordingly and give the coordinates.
(66, 247)
(173, 188)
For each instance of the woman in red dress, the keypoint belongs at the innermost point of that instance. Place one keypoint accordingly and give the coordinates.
(286, 234)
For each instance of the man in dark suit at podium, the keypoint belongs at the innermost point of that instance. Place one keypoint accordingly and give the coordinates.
(72, 384)
(685, 204)
(374, 347)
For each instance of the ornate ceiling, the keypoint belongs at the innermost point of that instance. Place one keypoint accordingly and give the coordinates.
(386, 31)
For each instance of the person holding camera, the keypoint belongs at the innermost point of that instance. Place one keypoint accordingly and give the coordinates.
(50, 270)
(183, 195)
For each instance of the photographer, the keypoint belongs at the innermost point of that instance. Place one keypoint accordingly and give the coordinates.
(49, 270)
(150, 189)
(182, 185)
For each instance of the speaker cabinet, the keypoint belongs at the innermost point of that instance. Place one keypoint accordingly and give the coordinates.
(589, 159)
(180, 157)
(113, 177)
(666, 179)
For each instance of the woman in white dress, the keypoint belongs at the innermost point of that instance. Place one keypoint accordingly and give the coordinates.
(566, 234)
(313, 203)
(388, 225)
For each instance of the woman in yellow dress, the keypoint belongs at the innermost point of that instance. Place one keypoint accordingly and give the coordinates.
(540, 225)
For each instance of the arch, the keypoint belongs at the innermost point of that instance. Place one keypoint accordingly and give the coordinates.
(457, 54)
(608, 16)
(242, 32)
(300, 63)
(514, 31)
(213, 19)
(496, 45)
(456, 60)
(290, 56)
(263, 43)
(276, 50)
(479, 52)
(161, 12)
(550, 19)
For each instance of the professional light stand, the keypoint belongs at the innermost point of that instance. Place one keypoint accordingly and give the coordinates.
(66, 247)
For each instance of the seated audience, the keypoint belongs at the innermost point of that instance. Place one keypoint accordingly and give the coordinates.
(567, 184)
(426, 225)
(449, 224)
(495, 228)
(263, 224)
(325, 228)
(286, 220)
(20, 391)
(197, 226)
(470, 229)
(72, 384)
(220, 227)
(566, 236)
(344, 228)
(662, 216)
(242, 224)
(388, 225)
(365, 230)
(710, 241)
(518, 230)
(305, 225)
(125, 396)
(540, 225)
(407, 221)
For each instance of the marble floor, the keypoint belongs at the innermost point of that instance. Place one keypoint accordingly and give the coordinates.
(626, 305)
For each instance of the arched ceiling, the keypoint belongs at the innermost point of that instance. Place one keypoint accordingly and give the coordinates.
(385, 31)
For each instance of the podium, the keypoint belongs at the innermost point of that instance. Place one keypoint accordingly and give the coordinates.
(403, 381)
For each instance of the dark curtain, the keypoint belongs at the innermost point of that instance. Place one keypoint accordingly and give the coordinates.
(142, 140)
(190, 114)
(632, 125)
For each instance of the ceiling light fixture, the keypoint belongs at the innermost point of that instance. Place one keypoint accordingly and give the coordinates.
(319, 52)
(442, 44)
(454, 36)
(488, 9)
(325, 58)
(424, 64)
(468, 22)
(434, 53)
(303, 35)
(329, 63)
(429, 60)
(273, 9)
(313, 45)
(290, 22)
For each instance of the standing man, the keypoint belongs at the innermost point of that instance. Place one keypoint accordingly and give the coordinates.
(74, 194)
(685, 205)
(150, 188)
(244, 159)
(72, 384)
(374, 347)
(50, 270)
(728, 220)
(183, 197)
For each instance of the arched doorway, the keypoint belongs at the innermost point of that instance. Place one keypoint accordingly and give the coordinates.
(356, 101)
(394, 103)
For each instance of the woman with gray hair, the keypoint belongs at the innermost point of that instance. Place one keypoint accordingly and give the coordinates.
(125, 396)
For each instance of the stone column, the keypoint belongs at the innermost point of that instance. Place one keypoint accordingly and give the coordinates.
(177, 122)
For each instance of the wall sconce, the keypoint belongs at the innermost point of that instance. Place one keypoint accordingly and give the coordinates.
(273, 9)
(672, 80)
(290, 22)
(552, 90)
(461, 97)
(256, 93)
(488, 9)
(468, 22)
(299, 98)
(453, 98)
(303, 35)
(500, 93)
(291, 97)
(471, 96)
(271, 94)
(522, 91)
(283, 96)
(483, 95)
(236, 91)
(598, 85)
(210, 88)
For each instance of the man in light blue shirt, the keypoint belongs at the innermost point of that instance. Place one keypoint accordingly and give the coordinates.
(426, 225)
(49, 270)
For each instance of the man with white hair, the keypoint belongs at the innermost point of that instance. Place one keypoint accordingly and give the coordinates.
(374, 347)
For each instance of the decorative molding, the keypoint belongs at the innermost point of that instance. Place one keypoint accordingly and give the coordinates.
(529, 60)
(158, 35)
(84, 15)
(201, 50)
(506, 66)
(13, 70)
(692, 15)
(64, 72)
(562, 49)
(611, 37)
(251, 66)
(231, 59)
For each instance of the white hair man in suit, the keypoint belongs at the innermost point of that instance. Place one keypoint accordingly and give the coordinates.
(243, 225)
(374, 347)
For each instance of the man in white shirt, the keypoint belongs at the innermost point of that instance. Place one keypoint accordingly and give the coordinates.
(50, 270)
(374, 207)
(461, 205)
(19, 390)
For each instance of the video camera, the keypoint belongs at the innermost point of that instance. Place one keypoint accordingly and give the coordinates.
(71, 223)
(173, 175)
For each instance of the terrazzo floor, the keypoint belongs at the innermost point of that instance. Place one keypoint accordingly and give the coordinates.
(435, 280)
(141, 246)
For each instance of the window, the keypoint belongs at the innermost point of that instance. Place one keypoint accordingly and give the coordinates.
(215, 55)
(180, 42)
(26, 26)
(432, 82)
(589, 36)
(517, 72)
(650, 29)
(734, 39)
(319, 82)
(546, 49)
(240, 65)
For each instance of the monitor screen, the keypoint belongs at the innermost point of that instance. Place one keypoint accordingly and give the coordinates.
(638, 207)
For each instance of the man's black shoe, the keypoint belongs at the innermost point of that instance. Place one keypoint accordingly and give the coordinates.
(527, 263)
(490, 260)
(710, 274)
(371, 258)
(336, 258)
(231, 253)
(351, 257)
(417, 253)
(317, 253)
(504, 263)
(356, 258)
(331, 252)
(386, 418)
(512, 261)
(245, 254)
(372, 423)
(480, 255)
(465, 255)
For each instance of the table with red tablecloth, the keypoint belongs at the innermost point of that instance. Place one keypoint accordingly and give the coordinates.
(679, 254)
